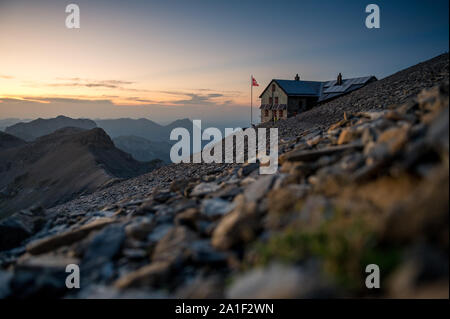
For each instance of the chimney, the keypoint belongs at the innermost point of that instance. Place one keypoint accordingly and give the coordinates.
(297, 78)
(339, 79)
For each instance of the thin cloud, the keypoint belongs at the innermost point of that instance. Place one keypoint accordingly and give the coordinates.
(220, 91)
(15, 100)
(199, 98)
(6, 77)
(110, 84)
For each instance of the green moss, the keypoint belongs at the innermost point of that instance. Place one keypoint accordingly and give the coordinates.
(345, 244)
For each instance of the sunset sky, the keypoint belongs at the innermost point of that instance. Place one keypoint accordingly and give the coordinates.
(166, 60)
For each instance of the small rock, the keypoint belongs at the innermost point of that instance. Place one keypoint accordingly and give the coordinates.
(50, 243)
(150, 275)
(106, 244)
(313, 155)
(247, 169)
(162, 196)
(140, 228)
(241, 225)
(395, 138)
(97, 261)
(204, 253)
(347, 135)
(175, 245)
(204, 188)
(134, 253)
(369, 135)
(255, 191)
(216, 207)
(17, 227)
(159, 232)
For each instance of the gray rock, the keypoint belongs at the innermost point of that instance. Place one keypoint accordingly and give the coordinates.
(41, 277)
(47, 244)
(204, 253)
(204, 188)
(256, 190)
(106, 244)
(140, 228)
(149, 275)
(17, 227)
(97, 261)
(247, 169)
(159, 232)
(216, 207)
(313, 155)
(174, 247)
(238, 227)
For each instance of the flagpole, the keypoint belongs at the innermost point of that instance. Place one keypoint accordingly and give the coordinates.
(251, 100)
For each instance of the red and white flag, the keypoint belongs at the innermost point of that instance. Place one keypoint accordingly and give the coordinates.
(254, 83)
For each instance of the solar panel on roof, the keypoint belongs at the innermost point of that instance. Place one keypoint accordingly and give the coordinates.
(322, 90)
(292, 87)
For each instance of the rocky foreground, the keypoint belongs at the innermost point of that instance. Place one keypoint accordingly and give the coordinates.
(371, 188)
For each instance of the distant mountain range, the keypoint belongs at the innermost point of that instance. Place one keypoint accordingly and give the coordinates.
(143, 149)
(144, 139)
(4, 123)
(56, 167)
(49, 161)
(142, 128)
(30, 131)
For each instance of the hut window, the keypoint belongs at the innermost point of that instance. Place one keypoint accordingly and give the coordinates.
(270, 100)
(280, 113)
(273, 87)
(276, 100)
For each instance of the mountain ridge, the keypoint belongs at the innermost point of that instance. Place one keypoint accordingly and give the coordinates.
(55, 167)
(29, 131)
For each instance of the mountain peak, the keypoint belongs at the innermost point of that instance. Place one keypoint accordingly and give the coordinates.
(31, 130)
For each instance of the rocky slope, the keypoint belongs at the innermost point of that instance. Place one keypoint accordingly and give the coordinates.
(56, 167)
(394, 89)
(30, 131)
(8, 141)
(364, 183)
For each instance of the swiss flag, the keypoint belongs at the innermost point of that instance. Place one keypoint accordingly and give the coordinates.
(254, 83)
